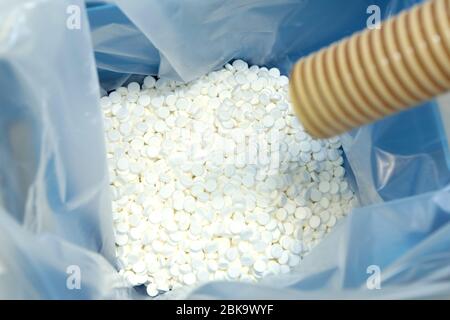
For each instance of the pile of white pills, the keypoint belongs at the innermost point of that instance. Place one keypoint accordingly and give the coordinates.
(216, 179)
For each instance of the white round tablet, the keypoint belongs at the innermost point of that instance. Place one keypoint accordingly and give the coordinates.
(263, 218)
(189, 279)
(259, 266)
(276, 251)
(314, 222)
(324, 186)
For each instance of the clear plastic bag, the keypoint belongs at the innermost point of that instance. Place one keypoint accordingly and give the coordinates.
(400, 156)
(270, 33)
(122, 51)
(54, 202)
(55, 208)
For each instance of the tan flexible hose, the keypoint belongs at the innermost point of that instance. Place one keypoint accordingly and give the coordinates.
(374, 73)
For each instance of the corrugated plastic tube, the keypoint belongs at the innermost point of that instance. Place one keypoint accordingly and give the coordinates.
(374, 73)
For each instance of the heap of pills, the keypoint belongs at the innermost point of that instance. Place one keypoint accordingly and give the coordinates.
(216, 179)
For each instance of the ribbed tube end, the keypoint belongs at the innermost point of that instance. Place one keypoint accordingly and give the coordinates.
(374, 73)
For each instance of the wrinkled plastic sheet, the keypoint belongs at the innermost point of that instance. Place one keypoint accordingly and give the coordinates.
(122, 52)
(270, 33)
(54, 200)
